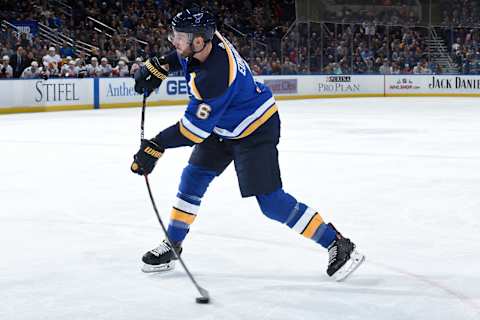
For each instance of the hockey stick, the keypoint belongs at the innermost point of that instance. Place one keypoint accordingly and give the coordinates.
(205, 296)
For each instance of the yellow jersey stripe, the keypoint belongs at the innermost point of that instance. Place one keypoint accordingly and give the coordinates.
(189, 135)
(257, 123)
(231, 60)
(182, 216)
(312, 226)
(193, 86)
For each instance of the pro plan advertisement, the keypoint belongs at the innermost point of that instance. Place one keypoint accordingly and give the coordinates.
(343, 84)
(350, 85)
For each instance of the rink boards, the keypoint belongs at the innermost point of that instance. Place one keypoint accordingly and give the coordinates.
(95, 93)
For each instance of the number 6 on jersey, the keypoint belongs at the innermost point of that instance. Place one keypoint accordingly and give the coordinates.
(203, 111)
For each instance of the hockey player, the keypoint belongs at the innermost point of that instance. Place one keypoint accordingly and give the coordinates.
(229, 118)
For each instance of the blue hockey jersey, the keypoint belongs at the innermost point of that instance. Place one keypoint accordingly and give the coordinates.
(224, 97)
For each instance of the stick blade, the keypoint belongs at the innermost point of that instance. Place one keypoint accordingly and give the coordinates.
(205, 298)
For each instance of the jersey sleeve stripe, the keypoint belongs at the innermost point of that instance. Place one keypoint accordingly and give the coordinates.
(193, 86)
(194, 129)
(257, 123)
(189, 135)
(231, 59)
(259, 113)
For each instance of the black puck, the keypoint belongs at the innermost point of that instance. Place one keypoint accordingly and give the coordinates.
(202, 300)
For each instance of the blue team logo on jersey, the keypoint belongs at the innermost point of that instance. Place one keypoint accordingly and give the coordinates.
(198, 17)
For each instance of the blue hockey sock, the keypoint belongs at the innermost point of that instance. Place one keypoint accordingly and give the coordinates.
(284, 208)
(194, 183)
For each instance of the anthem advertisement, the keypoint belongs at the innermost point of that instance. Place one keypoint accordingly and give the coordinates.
(121, 92)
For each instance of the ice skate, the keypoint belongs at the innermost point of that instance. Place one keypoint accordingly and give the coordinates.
(343, 259)
(160, 259)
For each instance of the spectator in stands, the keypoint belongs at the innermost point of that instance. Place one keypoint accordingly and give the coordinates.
(276, 66)
(81, 60)
(121, 70)
(24, 41)
(72, 71)
(105, 68)
(52, 70)
(359, 65)
(54, 20)
(5, 50)
(6, 70)
(336, 69)
(459, 13)
(65, 66)
(52, 56)
(66, 50)
(256, 70)
(289, 67)
(93, 69)
(32, 72)
(136, 65)
(467, 65)
(385, 68)
(359, 48)
(422, 68)
(19, 61)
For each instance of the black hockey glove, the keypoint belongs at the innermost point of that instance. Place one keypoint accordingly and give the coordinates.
(145, 159)
(150, 76)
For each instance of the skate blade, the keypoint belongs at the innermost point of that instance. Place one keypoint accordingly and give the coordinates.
(148, 268)
(356, 259)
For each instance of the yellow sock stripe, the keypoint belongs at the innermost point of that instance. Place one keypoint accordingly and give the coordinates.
(312, 226)
(183, 216)
(257, 123)
(154, 70)
(190, 136)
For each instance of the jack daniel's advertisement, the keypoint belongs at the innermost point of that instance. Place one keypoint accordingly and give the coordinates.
(463, 83)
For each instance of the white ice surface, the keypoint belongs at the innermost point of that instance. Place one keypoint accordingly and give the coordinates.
(401, 177)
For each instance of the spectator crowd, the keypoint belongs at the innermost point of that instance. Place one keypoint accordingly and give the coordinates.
(379, 39)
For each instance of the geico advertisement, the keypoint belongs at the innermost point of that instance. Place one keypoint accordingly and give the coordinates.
(122, 90)
(425, 84)
(51, 92)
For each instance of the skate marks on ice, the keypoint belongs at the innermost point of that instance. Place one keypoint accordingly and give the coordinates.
(249, 271)
(281, 284)
(273, 290)
(376, 278)
(79, 258)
